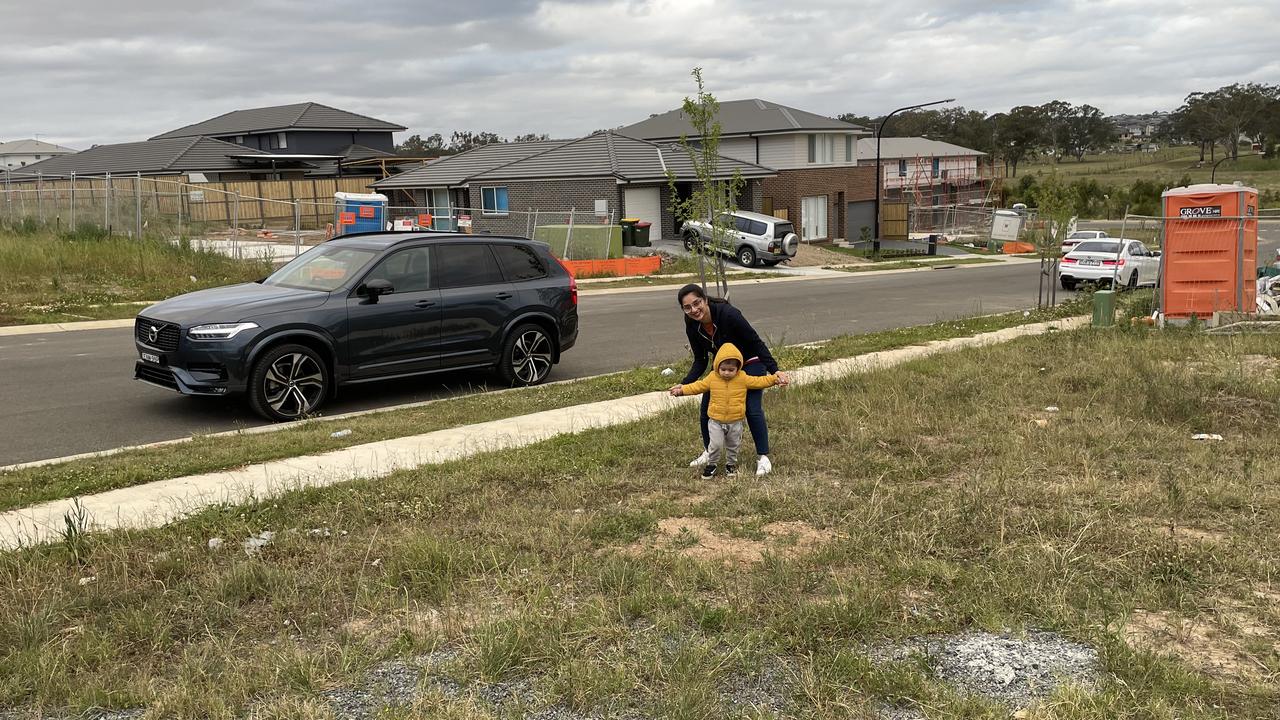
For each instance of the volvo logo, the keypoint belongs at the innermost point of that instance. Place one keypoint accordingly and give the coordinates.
(153, 333)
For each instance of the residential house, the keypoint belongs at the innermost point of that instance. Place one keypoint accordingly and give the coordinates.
(285, 142)
(608, 174)
(441, 186)
(819, 182)
(213, 160)
(929, 175)
(928, 171)
(300, 129)
(21, 153)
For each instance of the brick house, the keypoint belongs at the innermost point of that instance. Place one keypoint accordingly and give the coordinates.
(819, 183)
(607, 174)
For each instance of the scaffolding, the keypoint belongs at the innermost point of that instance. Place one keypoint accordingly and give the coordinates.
(939, 203)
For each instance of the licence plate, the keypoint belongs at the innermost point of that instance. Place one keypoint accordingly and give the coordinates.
(148, 357)
(1090, 262)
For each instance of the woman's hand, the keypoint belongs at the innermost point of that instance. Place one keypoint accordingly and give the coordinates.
(676, 390)
(783, 379)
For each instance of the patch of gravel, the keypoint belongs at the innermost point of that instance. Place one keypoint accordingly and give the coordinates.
(1013, 669)
(767, 690)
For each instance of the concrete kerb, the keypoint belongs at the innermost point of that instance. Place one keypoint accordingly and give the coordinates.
(165, 501)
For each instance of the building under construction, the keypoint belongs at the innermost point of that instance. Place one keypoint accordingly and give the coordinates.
(945, 188)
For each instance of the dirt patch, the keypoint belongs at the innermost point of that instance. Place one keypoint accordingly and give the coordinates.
(1260, 363)
(1201, 643)
(1187, 532)
(694, 537)
(808, 255)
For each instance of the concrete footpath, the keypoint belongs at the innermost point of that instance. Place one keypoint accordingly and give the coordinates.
(165, 501)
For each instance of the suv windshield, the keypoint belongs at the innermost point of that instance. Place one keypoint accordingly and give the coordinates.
(1098, 246)
(321, 268)
(781, 229)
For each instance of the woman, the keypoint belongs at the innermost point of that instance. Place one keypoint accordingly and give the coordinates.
(710, 323)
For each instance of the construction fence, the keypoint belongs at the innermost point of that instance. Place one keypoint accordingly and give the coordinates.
(277, 219)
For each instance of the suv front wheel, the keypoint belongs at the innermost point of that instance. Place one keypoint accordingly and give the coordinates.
(288, 382)
(527, 356)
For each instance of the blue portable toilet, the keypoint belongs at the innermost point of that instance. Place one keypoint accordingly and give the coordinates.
(359, 212)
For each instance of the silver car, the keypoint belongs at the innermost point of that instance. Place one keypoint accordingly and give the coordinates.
(749, 236)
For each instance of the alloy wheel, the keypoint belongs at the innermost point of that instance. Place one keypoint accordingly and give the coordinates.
(293, 384)
(531, 356)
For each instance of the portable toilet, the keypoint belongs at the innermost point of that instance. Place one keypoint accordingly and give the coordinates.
(359, 212)
(1210, 251)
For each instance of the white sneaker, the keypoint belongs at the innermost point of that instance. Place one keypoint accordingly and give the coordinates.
(701, 460)
(764, 467)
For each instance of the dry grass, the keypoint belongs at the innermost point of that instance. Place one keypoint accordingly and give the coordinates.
(87, 274)
(578, 574)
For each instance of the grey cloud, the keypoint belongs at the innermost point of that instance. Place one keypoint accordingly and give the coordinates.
(114, 72)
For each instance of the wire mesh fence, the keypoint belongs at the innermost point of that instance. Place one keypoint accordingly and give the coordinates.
(276, 220)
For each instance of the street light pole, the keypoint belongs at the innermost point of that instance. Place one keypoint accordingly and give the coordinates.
(875, 243)
(1214, 172)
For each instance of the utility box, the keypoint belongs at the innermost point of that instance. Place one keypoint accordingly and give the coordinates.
(1210, 253)
(359, 212)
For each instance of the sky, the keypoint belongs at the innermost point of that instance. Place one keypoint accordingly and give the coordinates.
(85, 72)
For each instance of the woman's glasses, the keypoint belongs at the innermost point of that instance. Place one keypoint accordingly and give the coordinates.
(690, 307)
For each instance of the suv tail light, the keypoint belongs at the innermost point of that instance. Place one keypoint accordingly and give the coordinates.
(573, 282)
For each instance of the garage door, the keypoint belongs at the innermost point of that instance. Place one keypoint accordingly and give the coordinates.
(861, 214)
(643, 203)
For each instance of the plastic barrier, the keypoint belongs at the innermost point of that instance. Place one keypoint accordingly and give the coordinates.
(618, 267)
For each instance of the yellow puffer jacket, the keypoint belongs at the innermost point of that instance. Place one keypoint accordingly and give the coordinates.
(728, 397)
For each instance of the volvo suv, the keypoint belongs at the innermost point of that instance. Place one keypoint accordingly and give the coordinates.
(748, 236)
(363, 308)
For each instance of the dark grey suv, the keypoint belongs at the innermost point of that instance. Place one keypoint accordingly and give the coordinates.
(362, 308)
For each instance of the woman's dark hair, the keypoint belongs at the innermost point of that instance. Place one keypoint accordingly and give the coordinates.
(697, 290)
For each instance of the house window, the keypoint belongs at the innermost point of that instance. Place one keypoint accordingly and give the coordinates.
(822, 149)
(813, 217)
(282, 141)
(848, 148)
(902, 167)
(239, 139)
(937, 163)
(493, 200)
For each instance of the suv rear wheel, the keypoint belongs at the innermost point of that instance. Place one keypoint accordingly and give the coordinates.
(288, 382)
(747, 256)
(527, 356)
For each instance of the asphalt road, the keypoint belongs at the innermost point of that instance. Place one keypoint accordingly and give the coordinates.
(73, 392)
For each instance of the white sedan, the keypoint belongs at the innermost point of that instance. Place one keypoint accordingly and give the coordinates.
(1080, 236)
(1097, 261)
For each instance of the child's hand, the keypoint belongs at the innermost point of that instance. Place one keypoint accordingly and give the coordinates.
(676, 390)
(783, 380)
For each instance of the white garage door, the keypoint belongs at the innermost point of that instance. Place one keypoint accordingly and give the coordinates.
(643, 203)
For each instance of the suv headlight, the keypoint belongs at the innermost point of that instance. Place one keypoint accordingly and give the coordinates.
(219, 331)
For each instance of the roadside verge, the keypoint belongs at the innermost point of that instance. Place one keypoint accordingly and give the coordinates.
(163, 501)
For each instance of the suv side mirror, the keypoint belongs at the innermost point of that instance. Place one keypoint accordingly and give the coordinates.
(376, 288)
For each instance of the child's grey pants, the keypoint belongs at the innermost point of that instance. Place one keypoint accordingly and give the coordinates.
(724, 436)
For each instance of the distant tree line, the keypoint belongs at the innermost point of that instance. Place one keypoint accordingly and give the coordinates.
(1226, 116)
(459, 141)
(1223, 117)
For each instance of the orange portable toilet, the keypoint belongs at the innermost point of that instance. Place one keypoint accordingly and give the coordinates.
(1210, 250)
